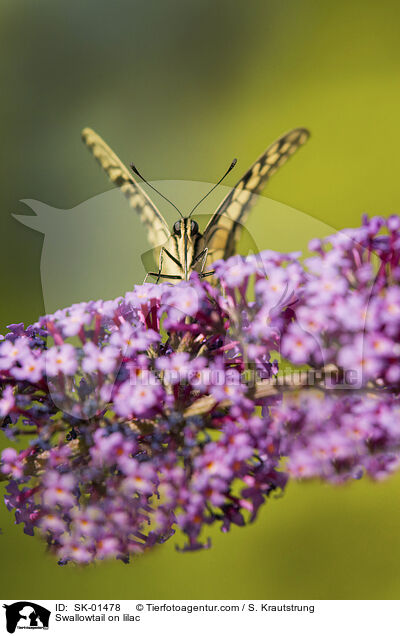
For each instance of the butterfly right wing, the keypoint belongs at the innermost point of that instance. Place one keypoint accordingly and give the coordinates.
(157, 229)
(224, 228)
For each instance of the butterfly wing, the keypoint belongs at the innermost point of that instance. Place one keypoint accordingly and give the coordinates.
(156, 226)
(224, 228)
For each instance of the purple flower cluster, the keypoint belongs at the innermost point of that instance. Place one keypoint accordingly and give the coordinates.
(166, 409)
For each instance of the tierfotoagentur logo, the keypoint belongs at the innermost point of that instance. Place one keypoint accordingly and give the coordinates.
(26, 615)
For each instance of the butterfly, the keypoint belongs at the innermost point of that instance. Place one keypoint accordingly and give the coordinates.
(184, 248)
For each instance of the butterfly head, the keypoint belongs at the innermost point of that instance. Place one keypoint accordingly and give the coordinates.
(185, 226)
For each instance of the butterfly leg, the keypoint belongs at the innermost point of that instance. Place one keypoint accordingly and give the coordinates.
(159, 274)
(160, 264)
(208, 274)
(155, 274)
(203, 255)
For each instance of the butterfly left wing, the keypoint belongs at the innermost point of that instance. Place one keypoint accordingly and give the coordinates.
(156, 226)
(224, 228)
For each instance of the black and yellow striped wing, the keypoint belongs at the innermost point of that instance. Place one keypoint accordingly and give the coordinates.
(156, 226)
(224, 228)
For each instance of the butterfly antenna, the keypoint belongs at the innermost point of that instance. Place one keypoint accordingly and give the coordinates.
(136, 171)
(233, 164)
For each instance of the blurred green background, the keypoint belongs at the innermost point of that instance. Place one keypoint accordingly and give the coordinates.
(181, 88)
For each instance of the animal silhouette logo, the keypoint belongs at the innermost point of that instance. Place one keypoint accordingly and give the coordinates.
(98, 249)
(26, 615)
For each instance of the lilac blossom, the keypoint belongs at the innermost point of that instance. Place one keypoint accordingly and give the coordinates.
(298, 345)
(97, 359)
(12, 352)
(179, 414)
(30, 368)
(61, 360)
(12, 463)
(7, 402)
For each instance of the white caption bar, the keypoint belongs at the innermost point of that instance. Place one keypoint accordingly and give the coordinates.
(183, 617)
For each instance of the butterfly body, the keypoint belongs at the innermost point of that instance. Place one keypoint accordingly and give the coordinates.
(184, 249)
(183, 253)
